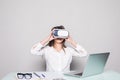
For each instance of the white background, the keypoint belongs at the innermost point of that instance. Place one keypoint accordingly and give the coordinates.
(95, 24)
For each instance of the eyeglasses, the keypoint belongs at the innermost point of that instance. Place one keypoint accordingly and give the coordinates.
(24, 75)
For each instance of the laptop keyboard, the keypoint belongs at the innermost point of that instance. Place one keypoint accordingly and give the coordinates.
(79, 74)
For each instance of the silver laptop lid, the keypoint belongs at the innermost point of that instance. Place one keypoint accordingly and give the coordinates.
(95, 64)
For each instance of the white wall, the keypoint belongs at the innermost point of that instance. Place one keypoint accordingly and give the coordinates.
(95, 24)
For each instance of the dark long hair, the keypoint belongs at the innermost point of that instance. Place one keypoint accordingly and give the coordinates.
(51, 43)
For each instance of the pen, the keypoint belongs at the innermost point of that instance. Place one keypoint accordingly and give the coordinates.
(37, 75)
(43, 75)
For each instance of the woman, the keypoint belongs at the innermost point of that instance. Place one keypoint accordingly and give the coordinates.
(58, 56)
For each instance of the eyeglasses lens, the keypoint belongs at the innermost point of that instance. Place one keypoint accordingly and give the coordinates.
(20, 75)
(28, 75)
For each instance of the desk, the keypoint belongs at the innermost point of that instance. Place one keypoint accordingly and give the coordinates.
(108, 75)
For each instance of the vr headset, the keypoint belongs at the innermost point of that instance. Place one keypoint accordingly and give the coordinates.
(60, 33)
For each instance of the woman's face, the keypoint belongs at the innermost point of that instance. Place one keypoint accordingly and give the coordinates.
(58, 40)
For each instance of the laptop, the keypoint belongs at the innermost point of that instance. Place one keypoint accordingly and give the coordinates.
(95, 65)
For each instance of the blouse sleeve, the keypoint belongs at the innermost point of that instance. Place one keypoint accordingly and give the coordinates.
(37, 49)
(79, 51)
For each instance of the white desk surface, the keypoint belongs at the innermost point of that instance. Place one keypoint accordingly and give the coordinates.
(108, 75)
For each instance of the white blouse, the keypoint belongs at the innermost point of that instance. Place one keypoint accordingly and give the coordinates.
(58, 61)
